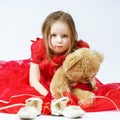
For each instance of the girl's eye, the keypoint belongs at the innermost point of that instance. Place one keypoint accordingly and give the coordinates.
(64, 36)
(53, 35)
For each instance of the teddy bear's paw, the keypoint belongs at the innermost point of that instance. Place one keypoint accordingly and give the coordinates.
(87, 100)
(32, 109)
(58, 105)
(86, 103)
(73, 112)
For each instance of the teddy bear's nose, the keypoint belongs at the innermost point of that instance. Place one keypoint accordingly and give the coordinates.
(88, 80)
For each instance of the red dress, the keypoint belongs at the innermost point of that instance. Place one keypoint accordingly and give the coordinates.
(15, 88)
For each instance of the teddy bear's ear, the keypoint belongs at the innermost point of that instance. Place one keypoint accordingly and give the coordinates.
(99, 56)
(72, 59)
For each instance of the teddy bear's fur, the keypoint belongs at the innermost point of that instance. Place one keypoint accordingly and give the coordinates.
(79, 66)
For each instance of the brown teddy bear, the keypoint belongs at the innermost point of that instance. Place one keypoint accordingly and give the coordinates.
(81, 66)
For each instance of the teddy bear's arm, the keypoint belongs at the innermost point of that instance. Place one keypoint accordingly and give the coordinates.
(59, 84)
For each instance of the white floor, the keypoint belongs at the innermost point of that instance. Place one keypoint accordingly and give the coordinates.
(109, 115)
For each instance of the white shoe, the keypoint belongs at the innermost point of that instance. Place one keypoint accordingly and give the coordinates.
(27, 113)
(58, 105)
(73, 112)
(32, 109)
(36, 103)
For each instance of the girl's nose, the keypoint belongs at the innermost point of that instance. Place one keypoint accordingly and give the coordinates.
(59, 40)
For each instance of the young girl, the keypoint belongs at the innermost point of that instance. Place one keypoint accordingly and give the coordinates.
(20, 80)
(59, 39)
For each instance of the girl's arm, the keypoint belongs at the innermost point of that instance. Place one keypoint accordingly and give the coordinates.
(34, 79)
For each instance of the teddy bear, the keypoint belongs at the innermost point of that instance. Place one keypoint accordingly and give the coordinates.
(80, 66)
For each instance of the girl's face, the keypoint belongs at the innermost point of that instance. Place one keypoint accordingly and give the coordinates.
(59, 38)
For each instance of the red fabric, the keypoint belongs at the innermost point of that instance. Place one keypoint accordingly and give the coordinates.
(107, 97)
(81, 43)
(15, 88)
(38, 52)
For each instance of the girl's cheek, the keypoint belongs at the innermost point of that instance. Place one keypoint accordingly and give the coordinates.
(53, 42)
(66, 41)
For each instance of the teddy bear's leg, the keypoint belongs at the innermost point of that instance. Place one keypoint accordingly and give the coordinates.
(86, 98)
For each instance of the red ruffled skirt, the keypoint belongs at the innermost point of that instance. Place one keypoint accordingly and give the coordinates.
(15, 89)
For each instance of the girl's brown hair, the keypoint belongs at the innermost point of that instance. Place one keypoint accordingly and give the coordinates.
(59, 16)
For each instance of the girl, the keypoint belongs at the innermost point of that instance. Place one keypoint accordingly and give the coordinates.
(20, 80)
(60, 38)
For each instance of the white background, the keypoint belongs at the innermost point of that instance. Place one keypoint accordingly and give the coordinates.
(97, 22)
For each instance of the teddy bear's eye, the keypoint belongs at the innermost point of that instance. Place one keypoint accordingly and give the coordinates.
(88, 80)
